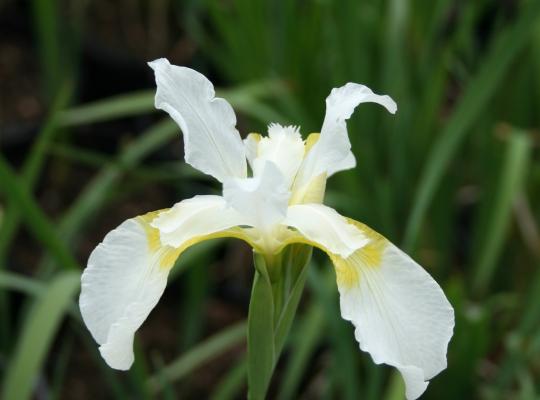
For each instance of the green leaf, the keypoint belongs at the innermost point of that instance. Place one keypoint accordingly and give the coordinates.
(396, 387)
(300, 256)
(46, 23)
(306, 338)
(230, 386)
(20, 283)
(260, 332)
(35, 219)
(38, 331)
(243, 98)
(198, 355)
(509, 185)
(33, 165)
(96, 192)
(345, 349)
(473, 103)
(277, 287)
(124, 105)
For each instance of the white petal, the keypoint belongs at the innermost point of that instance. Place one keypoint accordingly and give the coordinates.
(122, 283)
(251, 142)
(332, 152)
(284, 147)
(211, 142)
(194, 218)
(402, 317)
(262, 200)
(348, 162)
(324, 226)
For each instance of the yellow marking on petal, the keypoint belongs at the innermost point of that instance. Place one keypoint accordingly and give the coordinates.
(371, 254)
(152, 234)
(347, 275)
(254, 136)
(348, 270)
(313, 192)
(311, 140)
(169, 257)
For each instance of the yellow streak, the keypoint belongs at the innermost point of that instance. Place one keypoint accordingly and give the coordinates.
(152, 234)
(255, 136)
(168, 255)
(313, 192)
(311, 140)
(346, 274)
(349, 270)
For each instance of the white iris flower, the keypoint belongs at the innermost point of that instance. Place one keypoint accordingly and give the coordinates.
(402, 317)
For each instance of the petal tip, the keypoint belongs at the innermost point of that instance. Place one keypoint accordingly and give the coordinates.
(390, 104)
(158, 63)
(121, 362)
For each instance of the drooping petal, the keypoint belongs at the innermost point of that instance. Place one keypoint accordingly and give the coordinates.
(332, 152)
(261, 200)
(125, 277)
(401, 316)
(194, 218)
(323, 226)
(284, 147)
(211, 142)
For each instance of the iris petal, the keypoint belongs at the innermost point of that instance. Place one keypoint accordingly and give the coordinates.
(211, 142)
(332, 152)
(125, 277)
(323, 225)
(127, 273)
(401, 315)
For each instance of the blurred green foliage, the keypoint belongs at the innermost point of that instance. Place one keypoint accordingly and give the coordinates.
(454, 178)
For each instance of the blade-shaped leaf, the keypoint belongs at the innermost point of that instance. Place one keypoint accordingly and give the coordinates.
(38, 331)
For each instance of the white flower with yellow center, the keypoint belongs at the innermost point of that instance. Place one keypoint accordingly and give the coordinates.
(402, 317)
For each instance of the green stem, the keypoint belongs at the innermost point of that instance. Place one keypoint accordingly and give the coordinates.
(277, 286)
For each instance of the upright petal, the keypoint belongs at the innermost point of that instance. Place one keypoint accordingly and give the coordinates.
(327, 229)
(251, 143)
(125, 277)
(332, 152)
(262, 200)
(211, 142)
(401, 316)
(284, 147)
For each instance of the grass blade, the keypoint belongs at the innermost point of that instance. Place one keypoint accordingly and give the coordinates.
(306, 338)
(198, 355)
(42, 323)
(513, 174)
(37, 222)
(20, 283)
(46, 26)
(125, 105)
(229, 388)
(95, 194)
(475, 99)
(32, 165)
